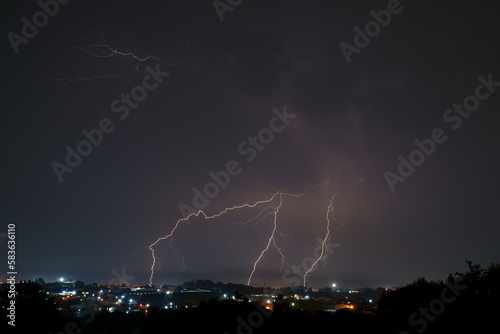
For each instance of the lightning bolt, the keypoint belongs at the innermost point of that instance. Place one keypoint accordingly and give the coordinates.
(329, 211)
(106, 51)
(103, 49)
(271, 240)
(271, 208)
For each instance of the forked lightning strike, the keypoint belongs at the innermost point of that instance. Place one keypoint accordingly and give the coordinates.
(197, 214)
(268, 210)
(329, 211)
(275, 228)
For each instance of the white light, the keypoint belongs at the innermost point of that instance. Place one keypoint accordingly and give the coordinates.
(371, 301)
(131, 301)
(61, 279)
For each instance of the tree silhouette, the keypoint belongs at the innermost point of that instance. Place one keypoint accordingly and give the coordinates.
(32, 307)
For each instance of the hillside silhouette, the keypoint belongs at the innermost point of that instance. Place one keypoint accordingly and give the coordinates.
(464, 302)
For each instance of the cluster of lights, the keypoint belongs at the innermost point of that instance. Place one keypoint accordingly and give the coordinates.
(70, 294)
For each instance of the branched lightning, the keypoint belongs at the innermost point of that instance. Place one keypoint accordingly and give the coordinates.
(329, 211)
(272, 207)
(103, 49)
(197, 214)
(106, 51)
(271, 239)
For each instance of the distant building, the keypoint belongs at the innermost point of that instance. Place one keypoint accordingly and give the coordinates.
(271, 292)
(193, 298)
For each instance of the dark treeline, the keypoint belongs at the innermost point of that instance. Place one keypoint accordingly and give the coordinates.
(465, 303)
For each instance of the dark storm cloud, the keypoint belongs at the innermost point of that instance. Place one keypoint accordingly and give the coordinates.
(353, 120)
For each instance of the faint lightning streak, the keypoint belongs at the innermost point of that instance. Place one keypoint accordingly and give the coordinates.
(181, 258)
(104, 50)
(252, 219)
(283, 262)
(93, 77)
(243, 223)
(112, 52)
(329, 211)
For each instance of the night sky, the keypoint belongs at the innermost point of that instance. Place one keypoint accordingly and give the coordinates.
(352, 111)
